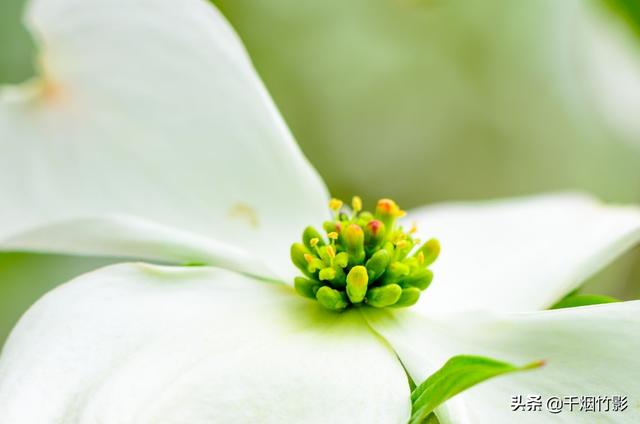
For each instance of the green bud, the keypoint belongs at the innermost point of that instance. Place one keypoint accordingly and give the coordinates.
(327, 253)
(331, 227)
(309, 234)
(377, 264)
(364, 218)
(381, 297)
(354, 236)
(408, 297)
(420, 279)
(354, 243)
(331, 299)
(327, 274)
(374, 233)
(402, 248)
(387, 211)
(306, 287)
(430, 251)
(341, 259)
(395, 272)
(340, 279)
(315, 264)
(298, 252)
(388, 246)
(412, 262)
(357, 280)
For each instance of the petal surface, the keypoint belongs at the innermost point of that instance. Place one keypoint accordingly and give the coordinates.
(589, 351)
(522, 254)
(151, 109)
(141, 343)
(130, 237)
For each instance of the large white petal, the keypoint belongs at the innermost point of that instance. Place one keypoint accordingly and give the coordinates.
(522, 254)
(140, 343)
(129, 237)
(151, 108)
(589, 351)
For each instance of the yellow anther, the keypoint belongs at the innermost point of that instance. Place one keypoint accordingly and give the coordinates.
(335, 204)
(314, 241)
(420, 257)
(356, 204)
(309, 258)
(331, 252)
(413, 229)
(387, 207)
(401, 244)
(333, 235)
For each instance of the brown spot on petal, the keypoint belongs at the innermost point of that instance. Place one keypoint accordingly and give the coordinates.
(243, 212)
(51, 90)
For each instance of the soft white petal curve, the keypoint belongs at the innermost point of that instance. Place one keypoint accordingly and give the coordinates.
(589, 351)
(141, 343)
(151, 108)
(523, 254)
(129, 237)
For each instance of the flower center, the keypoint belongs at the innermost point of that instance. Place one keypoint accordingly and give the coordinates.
(364, 258)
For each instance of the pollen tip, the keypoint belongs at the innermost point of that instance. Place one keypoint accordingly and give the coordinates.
(335, 204)
(401, 244)
(374, 226)
(356, 204)
(387, 206)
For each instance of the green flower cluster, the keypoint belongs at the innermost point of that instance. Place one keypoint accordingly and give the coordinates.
(366, 258)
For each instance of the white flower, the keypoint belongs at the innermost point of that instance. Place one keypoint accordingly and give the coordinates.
(149, 136)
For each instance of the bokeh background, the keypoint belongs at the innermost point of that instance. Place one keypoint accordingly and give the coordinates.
(425, 101)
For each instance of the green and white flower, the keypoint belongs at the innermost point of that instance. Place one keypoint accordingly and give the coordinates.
(149, 136)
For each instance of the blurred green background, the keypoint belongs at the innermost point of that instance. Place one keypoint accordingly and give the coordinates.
(424, 101)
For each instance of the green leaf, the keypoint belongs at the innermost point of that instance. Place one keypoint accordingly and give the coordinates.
(574, 300)
(629, 10)
(431, 419)
(457, 374)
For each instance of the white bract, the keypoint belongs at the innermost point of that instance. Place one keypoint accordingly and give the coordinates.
(149, 136)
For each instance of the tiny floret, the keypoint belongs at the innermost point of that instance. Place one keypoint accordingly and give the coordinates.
(364, 259)
(356, 204)
(335, 204)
